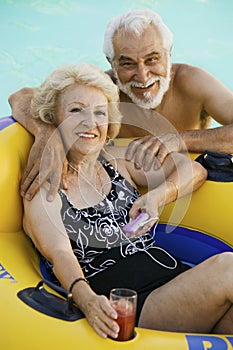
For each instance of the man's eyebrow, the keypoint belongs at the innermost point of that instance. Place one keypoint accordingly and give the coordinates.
(153, 53)
(126, 58)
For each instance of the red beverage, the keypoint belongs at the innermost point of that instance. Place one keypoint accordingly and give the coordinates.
(126, 312)
(126, 324)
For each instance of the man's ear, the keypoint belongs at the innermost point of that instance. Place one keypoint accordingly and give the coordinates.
(109, 60)
(170, 51)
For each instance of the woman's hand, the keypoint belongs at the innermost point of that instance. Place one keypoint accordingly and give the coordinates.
(146, 203)
(101, 315)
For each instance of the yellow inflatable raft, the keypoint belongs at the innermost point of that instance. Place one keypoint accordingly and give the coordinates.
(205, 220)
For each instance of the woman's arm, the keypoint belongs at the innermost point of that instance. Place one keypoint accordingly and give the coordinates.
(186, 174)
(42, 222)
(177, 177)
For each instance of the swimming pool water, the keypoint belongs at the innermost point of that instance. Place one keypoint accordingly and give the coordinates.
(37, 36)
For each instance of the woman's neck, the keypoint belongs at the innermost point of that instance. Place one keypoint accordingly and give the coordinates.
(85, 164)
(88, 182)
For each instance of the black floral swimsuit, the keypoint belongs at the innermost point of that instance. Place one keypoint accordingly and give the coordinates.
(96, 234)
(108, 258)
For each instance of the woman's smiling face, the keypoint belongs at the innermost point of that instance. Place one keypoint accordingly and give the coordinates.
(82, 117)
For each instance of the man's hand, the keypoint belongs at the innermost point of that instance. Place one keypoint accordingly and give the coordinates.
(152, 150)
(47, 156)
(46, 162)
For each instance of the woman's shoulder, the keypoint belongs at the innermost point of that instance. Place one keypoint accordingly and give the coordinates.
(115, 155)
(116, 152)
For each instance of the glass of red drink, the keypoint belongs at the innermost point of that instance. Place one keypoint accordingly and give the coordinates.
(124, 302)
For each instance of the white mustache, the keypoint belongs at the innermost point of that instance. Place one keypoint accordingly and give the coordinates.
(145, 85)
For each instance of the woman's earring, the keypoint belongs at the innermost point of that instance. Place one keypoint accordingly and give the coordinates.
(109, 141)
(50, 118)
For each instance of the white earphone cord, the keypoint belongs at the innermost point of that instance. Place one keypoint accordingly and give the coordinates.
(140, 249)
(128, 239)
(153, 247)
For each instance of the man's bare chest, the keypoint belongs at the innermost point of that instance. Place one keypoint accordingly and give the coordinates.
(138, 122)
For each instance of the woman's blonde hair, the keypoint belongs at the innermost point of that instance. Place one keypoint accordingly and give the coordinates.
(44, 99)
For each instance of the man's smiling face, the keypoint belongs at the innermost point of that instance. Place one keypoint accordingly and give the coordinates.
(142, 66)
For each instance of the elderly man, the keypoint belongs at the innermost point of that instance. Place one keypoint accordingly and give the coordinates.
(168, 107)
(138, 45)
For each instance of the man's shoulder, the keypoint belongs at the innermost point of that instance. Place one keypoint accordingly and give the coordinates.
(185, 77)
(181, 70)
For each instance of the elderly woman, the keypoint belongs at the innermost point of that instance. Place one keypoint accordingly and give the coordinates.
(81, 233)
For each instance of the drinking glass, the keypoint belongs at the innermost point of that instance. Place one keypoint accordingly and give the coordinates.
(124, 301)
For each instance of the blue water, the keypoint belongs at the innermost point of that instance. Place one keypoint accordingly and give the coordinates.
(37, 36)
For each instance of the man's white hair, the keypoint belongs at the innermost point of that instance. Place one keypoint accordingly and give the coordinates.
(135, 22)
